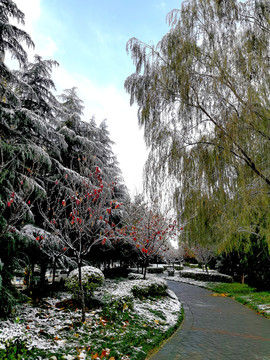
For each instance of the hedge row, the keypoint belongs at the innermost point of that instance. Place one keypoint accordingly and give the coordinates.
(155, 270)
(203, 276)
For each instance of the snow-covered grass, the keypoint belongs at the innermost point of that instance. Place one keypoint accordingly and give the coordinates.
(114, 330)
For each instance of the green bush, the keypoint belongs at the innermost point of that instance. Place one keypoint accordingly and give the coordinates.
(203, 276)
(170, 271)
(179, 267)
(148, 288)
(135, 276)
(91, 279)
(14, 351)
(155, 270)
(192, 266)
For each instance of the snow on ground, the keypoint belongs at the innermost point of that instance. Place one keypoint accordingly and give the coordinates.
(46, 326)
(165, 312)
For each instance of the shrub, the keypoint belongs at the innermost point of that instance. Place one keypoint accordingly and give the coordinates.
(170, 271)
(91, 279)
(192, 266)
(179, 267)
(15, 350)
(116, 305)
(155, 270)
(135, 276)
(120, 294)
(151, 287)
(203, 276)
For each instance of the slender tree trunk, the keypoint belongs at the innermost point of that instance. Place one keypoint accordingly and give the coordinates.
(145, 264)
(43, 269)
(81, 292)
(242, 278)
(54, 270)
(144, 272)
(31, 275)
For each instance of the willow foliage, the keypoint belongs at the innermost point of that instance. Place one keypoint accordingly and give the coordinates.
(203, 96)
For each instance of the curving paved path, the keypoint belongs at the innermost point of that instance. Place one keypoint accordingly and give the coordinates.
(215, 328)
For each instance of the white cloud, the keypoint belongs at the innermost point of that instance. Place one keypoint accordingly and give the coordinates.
(32, 11)
(45, 46)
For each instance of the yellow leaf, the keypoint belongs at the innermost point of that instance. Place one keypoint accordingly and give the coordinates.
(76, 335)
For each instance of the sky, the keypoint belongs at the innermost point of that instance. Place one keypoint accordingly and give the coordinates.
(88, 39)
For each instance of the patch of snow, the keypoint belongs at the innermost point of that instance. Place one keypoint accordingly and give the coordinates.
(264, 307)
(163, 313)
(46, 327)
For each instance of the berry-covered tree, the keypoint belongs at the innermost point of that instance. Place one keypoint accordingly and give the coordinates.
(149, 230)
(79, 210)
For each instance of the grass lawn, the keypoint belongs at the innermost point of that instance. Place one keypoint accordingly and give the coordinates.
(247, 295)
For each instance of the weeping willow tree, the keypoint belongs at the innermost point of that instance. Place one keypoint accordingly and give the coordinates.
(203, 101)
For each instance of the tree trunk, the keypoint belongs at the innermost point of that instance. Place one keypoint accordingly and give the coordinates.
(43, 269)
(242, 278)
(81, 292)
(145, 264)
(144, 272)
(54, 270)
